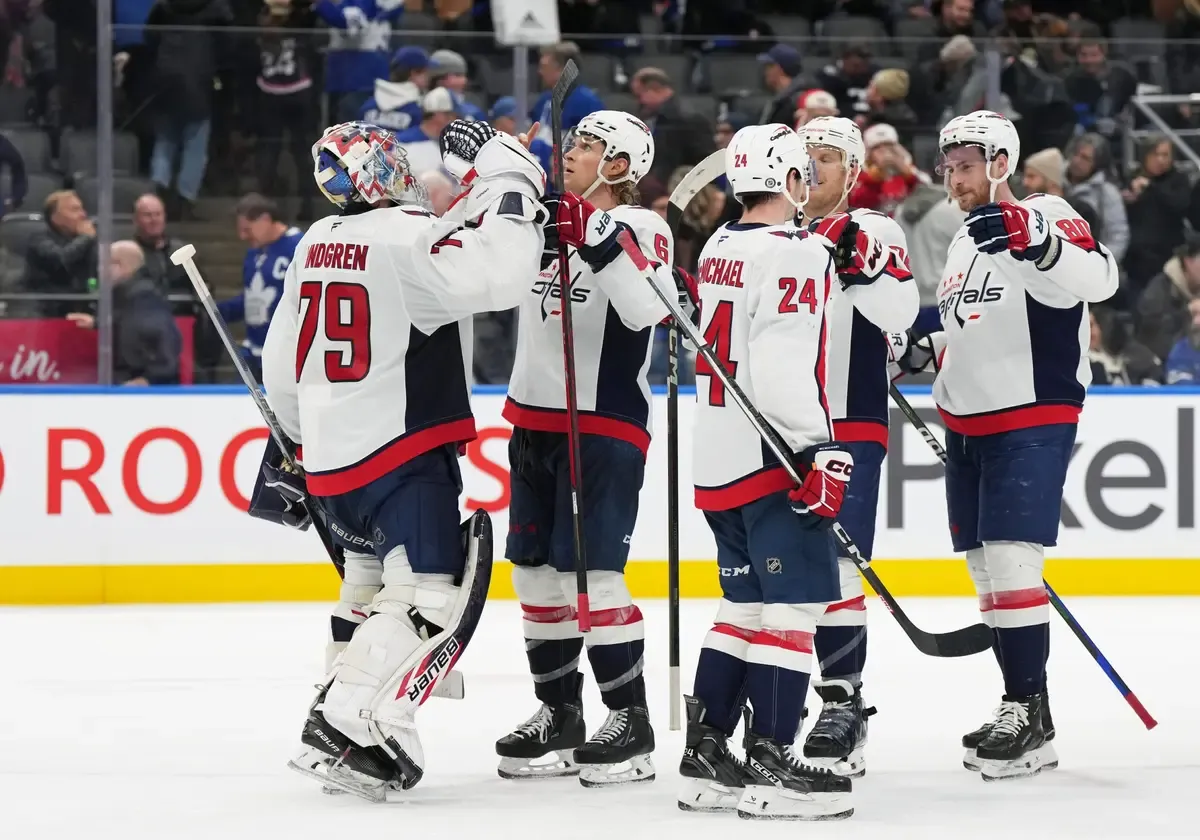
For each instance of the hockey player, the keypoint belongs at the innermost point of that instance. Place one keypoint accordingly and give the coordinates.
(1012, 370)
(366, 365)
(614, 314)
(857, 388)
(764, 293)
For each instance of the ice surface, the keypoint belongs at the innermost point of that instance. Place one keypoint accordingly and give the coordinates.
(176, 722)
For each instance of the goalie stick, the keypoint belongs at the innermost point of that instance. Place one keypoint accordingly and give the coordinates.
(1109, 671)
(451, 687)
(563, 88)
(966, 641)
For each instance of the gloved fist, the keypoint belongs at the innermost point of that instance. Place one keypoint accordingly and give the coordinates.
(460, 143)
(689, 296)
(910, 352)
(858, 257)
(287, 480)
(825, 468)
(1006, 225)
(576, 222)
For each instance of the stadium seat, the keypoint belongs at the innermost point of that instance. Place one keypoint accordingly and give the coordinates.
(1138, 38)
(705, 106)
(79, 153)
(126, 191)
(678, 67)
(39, 186)
(596, 72)
(14, 105)
(34, 146)
(733, 71)
(16, 231)
(840, 31)
(621, 102)
(909, 31)
(792, 29)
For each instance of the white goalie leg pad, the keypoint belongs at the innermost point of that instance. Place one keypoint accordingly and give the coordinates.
(978, 569)
(733, 628)
(362, 579)
(851, 609)
(1019, 598)
(546, 613)
(615, 618)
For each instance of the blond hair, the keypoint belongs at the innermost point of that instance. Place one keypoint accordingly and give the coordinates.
(51, 204)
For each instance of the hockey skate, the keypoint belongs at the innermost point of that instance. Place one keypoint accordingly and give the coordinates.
(543, 746)
(1016, 746)
(837, 739)
(619, 752)
(972, 740)
(714, 779)
(783, 787)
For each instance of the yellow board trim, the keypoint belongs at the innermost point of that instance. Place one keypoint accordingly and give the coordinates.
(40, 585)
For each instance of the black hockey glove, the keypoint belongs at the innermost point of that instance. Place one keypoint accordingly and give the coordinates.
(460, 143)
(689, 296)
(280, 495)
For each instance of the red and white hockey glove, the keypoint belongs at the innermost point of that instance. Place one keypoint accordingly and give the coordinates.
(575, 221)
(826, 469)
(1009, 226)
(689, 296)
(858, 257)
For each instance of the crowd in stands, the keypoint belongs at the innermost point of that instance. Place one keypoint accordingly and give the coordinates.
(218, 98)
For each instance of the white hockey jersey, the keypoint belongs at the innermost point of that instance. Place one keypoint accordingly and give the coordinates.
(764, 291)
(613, 317)
(1016, 335)
(857, 386)
(367, 360)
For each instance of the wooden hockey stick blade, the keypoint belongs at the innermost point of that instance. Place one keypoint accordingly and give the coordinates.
(700, 176)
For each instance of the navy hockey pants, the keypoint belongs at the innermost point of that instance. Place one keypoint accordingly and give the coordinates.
(857, 515)
(540, 528)
(1007, 486)
(415, 506)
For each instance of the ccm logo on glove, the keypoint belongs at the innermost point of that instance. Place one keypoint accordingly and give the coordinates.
(819, 499)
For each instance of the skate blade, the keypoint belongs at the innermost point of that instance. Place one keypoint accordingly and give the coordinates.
(556, 765)
(766, 802)
(707, 796)
(634, 771)
(319, 766)
(852, 766)
(971, 761)
(1026, 767)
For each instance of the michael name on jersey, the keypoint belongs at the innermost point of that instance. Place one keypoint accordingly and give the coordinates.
(721, 272)
(348, 256)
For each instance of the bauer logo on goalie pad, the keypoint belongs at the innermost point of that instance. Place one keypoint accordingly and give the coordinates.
(433, 668)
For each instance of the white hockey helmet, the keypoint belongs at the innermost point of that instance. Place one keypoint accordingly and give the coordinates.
(759, 159)
(838, 133)
(358, 162)
(623, 135)
(993, 133)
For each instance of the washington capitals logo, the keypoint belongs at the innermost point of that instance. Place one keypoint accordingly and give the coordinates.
(548, 288)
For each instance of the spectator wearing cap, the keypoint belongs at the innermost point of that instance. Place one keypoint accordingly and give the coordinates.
(811, 104)
(847, 79)
(582, 101)
(396, 104)
(421, 141)
(503, 115)
(889, 176)
(885, 97)
(783, 76)
(1046, 172)
(1163, 315)
(448, 69)
(358, 49)
(954, 17)
(681, 138)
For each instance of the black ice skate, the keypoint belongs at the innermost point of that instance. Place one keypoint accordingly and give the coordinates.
(542, 746)
(837, 739)
(713, 777)
(619, 752)
(972, 740)
(783, 787)
(1016, 745)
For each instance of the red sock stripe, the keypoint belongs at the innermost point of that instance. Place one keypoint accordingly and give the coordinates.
(548, 615)
(859, 603)
(737, 632)
(797, 640)
(1021, 599)
(985, 603)
(618, 617)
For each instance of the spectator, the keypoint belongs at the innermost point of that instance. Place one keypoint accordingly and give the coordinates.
(1162, 310)
(146, 341)
(1045, 172)
(889, 176)
(440, 189)
(811, 104)
(74, 51)
(938, 84)
(503, 115)
(287, 103)
(885, 100)
(1116, 358)
(63, 259)
(1183, 363)
(396, 104)
(1088, 161)
(680, 138)
(10, 159)
(930, 220)
(1100, 89)
(358, 44)
(150, 233)
(848, 79)
(579, 104)
(700, 219)
(782, 76)
(421, 141)
(956, 17)
(448, 70)
(1156, 202)
(186, 60)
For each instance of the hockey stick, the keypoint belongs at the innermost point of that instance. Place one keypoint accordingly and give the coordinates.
(563, 88)
(1059, 607)
(963, 642)
(700, 176)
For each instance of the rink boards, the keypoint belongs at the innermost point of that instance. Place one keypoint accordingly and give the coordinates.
(126, 496)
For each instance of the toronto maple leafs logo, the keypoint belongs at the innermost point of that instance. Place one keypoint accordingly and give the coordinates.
(260, 297)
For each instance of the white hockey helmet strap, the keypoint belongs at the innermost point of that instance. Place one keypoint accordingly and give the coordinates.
(623, 135)
(842, 134)
(993, 133)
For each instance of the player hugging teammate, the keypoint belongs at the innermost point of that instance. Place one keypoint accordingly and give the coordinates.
(1012, 370)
